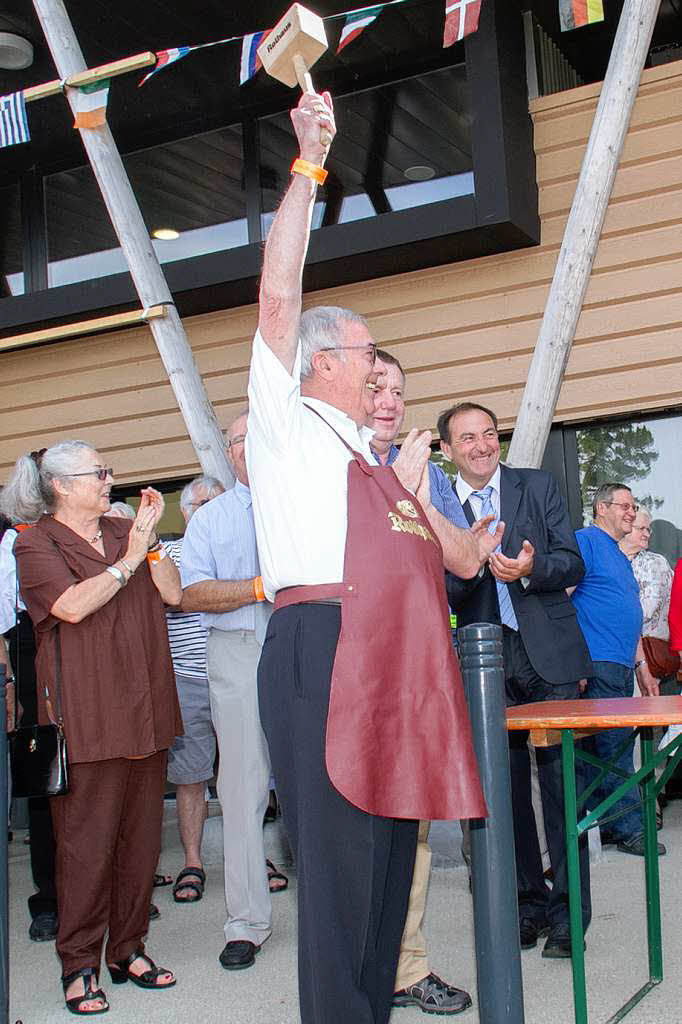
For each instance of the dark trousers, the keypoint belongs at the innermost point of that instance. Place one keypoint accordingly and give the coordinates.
(613, 680)
(22, 656)
(536, 900)
(354, 869)
(108, 832)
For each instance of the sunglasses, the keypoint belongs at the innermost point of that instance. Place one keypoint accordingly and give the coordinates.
(101, 474)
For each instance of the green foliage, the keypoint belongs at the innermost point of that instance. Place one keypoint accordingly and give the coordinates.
(622, 453)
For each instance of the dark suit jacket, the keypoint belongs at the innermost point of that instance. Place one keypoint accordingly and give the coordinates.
(532, 509)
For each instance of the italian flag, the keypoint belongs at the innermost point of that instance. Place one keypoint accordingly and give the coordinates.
(90, 104)
(355, 24)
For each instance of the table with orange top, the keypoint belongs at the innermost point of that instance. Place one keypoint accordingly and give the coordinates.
(563, 721)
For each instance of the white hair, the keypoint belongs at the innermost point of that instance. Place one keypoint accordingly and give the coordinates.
(210, 486)
(122, 509)
(322, 327)
(29, 492)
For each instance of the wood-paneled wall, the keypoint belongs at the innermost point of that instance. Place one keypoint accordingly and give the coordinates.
(465, 330)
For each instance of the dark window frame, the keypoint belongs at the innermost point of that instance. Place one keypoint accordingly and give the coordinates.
(502, 216)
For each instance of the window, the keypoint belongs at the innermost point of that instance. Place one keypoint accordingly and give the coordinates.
(192, 188)
(398, 146)
(644, 455)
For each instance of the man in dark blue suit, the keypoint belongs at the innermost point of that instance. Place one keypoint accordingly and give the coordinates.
(523, 589)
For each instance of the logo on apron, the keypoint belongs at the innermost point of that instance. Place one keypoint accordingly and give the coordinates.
(407, 509)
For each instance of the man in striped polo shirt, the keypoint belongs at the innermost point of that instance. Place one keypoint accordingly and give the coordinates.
(192, 756)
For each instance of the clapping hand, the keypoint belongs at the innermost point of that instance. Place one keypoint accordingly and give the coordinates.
(507, 570)
(410, 465)
(487, 542)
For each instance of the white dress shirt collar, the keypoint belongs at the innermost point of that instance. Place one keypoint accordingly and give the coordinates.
(464, 489)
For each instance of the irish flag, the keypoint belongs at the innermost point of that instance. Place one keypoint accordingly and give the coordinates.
(90, 104)
(355, 24)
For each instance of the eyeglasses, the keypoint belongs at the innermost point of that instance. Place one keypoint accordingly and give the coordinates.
(101, 474)
(625, 505)
(239, 439)
(644, 529)
(369, 349)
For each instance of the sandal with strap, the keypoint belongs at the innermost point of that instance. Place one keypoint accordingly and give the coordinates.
(74, 1004)
(120, 972)
(277, 877)
(160, 880)
(186, 881)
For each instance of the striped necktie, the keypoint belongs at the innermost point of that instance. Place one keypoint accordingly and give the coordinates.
(504, 600)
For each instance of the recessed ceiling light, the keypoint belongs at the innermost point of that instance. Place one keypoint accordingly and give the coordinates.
(166, 234)
(420, 172)
(15, 52)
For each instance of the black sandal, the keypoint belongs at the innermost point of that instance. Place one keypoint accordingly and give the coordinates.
(196, 887)
(74, 1004)
(160, 880)
(120, 972)
(275, 876)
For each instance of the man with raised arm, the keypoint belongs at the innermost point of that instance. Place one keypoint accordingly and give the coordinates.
(343, 542)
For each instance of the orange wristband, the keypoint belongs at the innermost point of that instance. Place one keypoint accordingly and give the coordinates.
(156, 556)
(258, 591)
(309, 170)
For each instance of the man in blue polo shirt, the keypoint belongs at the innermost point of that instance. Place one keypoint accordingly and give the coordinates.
(610, 615)
(415, 984)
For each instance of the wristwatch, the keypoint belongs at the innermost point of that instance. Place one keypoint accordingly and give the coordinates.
(638, 664)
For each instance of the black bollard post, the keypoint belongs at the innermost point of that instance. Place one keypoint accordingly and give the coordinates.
(4, 905)
(493, 864)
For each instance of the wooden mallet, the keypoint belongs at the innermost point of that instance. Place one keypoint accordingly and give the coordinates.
(292, 47)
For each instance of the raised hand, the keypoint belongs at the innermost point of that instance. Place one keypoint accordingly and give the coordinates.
(414, 454)
(314, 115)
(506, 570)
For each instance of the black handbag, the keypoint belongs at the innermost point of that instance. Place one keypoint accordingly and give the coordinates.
(38, 752)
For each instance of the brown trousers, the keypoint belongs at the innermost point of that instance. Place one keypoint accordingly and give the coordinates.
(108, 836)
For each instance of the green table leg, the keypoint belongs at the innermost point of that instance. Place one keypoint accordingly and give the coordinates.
(573, 870)
(653, 895)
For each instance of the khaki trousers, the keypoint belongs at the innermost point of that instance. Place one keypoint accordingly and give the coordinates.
(413, 964)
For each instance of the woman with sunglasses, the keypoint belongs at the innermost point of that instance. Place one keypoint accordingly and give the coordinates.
(95, 588)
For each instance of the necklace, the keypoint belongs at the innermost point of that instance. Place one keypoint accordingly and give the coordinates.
(97, 537)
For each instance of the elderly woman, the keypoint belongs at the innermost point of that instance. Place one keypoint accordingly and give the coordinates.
(655, 577)
(95, 588)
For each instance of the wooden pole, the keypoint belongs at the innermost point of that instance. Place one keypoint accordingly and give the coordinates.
(148, 278)
(579, 245)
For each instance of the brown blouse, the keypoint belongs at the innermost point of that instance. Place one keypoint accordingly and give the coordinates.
(118, 687)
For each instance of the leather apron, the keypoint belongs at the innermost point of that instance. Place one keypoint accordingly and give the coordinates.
(398, 738)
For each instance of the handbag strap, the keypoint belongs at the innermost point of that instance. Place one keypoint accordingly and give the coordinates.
(58, 684)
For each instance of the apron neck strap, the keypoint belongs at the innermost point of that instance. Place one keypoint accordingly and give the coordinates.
(359, 458)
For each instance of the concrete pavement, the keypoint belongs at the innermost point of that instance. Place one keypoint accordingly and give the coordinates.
(188, 939)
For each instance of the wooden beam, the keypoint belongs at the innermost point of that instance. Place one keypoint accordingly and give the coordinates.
(583, 230)
(133, 235)
(116, 67)
(100, 323)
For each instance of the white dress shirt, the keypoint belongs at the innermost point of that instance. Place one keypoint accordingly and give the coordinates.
(465, 492)
(10, 602)
(297, 473)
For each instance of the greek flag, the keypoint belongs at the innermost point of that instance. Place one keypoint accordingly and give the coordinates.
(13, 121)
